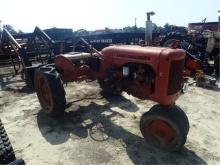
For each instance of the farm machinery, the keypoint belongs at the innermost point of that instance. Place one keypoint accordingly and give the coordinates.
(153, 73)
(202, 46)
(26, 52)
(23, 48)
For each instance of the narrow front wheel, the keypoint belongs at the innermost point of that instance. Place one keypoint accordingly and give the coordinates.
(165, 128)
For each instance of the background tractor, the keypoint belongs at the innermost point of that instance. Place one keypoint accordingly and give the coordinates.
(202, 46)
(145, 72)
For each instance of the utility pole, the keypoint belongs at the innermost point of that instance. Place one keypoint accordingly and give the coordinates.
(148, 29)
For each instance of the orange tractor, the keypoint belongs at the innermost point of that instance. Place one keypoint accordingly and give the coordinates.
(145, 72)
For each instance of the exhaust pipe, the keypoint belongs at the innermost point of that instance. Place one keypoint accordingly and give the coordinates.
(148, 29)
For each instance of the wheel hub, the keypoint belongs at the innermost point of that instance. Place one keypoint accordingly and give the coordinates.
(160, 133)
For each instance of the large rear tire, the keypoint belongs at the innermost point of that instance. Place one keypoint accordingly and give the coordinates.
(165, 128)
(6, 151)
(171, 41)
(50, 91)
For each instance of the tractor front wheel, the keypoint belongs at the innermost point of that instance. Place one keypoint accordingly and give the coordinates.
(165, 128)
(50, 91)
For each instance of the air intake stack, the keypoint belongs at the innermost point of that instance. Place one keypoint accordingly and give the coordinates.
(148, 29)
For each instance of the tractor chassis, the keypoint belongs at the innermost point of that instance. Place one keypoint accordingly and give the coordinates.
(163, 126)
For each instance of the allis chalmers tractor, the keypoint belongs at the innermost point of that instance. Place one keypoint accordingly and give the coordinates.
(145, 72)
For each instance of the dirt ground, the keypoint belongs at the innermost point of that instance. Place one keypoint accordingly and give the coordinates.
(98, 130)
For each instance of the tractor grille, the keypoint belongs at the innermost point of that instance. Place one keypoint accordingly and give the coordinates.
(175, 76)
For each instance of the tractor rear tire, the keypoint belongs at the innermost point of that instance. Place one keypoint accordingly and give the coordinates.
(165, 128)
(50, 91)
(28, 78)
(6, 151)
(28, 75)
(171, 39)
(108, 90)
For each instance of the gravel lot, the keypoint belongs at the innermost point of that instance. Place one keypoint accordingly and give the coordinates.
(98, 130)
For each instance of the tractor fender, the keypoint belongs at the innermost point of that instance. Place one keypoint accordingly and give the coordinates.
(65, 67)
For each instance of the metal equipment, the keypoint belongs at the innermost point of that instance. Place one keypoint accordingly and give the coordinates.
(145, 72)
(202, 49)
(22, 51)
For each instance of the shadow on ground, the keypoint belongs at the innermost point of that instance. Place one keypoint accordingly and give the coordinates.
(57, 131)
(13, 83)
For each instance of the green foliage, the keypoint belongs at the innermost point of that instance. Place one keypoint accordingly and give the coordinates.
(10, 29)
(133, 29)
(20, 32)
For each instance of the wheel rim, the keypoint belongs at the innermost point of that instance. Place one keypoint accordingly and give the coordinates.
(160, 133)
(44, 93)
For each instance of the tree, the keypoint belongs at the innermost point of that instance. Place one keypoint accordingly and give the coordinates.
(133, 29)
(167, 27)
(81, 32)
(20, 32)
(10, 29)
